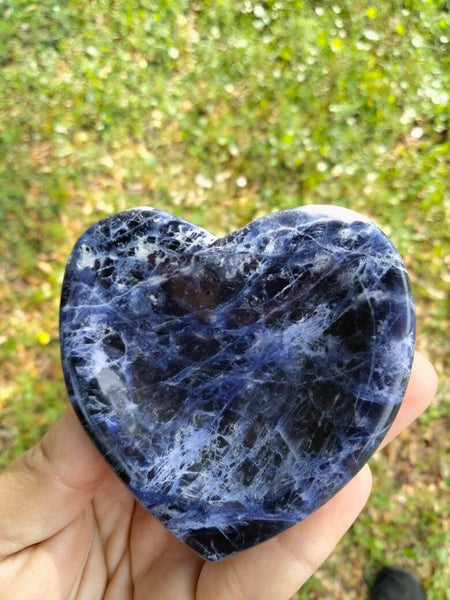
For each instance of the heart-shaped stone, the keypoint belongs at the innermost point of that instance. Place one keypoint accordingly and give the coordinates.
(235, 384)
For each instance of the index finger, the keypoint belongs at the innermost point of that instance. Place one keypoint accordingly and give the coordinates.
(419, 394)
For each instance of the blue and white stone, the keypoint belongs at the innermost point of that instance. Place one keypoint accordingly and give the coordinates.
(236, 384)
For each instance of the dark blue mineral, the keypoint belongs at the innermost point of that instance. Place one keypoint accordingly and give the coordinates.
(235, 384)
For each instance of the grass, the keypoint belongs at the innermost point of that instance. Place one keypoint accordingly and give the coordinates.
(221, 112)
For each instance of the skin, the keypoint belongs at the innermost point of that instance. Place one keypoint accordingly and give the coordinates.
(70, 529)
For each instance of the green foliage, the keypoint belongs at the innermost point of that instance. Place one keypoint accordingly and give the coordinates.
(221, 112)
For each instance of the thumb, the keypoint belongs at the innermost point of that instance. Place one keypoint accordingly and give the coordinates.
(48, 486)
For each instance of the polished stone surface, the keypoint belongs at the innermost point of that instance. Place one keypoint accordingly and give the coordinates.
(235, 384)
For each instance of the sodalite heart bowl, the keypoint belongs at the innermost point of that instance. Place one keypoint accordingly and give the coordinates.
(235, 384)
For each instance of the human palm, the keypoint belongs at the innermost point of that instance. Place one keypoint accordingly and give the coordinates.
(69, 529)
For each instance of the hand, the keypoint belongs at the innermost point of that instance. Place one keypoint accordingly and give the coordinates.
(70, 529)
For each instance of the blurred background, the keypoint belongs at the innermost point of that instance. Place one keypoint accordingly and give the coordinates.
(220, 112)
